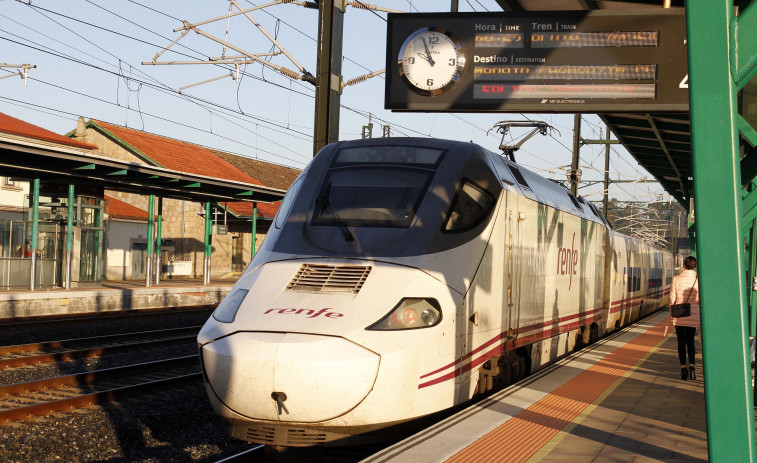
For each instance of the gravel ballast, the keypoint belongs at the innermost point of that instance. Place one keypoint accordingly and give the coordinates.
(176, 425)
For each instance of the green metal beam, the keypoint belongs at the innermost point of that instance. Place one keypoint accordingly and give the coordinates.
(744, 46)
(747, 131)
(150, 238)
(159, 239)
(254, 230)
(748, 169)
(69, 234)
(85, 167)
(748, 202)
(119, 172)
(35, 233)
(717, 194)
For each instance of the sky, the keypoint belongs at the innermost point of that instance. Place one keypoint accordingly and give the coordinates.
(88, 56)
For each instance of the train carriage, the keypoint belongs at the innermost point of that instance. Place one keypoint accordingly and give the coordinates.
(405, 276)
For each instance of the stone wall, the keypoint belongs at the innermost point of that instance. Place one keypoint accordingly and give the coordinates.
(22, 305)
(181, 222)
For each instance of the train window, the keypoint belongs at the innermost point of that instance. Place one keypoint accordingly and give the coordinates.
(518, 176)
(573, 200)
(375, 197)
(286, 203)
(470, 207)
(428, 157)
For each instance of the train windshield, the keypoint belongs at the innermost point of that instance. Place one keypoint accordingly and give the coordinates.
(375, 186)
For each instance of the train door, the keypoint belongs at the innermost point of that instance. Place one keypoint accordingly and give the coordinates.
(514, 272)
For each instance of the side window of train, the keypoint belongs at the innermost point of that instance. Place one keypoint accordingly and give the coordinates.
(286, 204)
(471, 205)
(634, 279)
(519, 177)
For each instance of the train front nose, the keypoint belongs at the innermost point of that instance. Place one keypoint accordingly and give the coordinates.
(289, 376)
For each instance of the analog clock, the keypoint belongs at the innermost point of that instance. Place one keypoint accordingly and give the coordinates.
(431, 61)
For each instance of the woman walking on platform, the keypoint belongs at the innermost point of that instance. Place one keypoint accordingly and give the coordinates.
(686, 289)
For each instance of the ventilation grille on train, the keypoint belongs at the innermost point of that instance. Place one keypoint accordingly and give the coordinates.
(284, 435)
(317, 278)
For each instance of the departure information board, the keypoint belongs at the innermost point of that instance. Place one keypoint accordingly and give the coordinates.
(566, 61)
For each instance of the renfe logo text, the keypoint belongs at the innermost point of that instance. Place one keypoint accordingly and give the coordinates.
(567, 259)
(308, 313)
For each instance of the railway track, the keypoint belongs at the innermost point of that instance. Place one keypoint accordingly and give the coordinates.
(38, 398)
(84, 348)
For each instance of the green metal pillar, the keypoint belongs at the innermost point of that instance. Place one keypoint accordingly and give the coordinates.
(751, 286)
(35, 233)
(150, 219)
(70, 235)
(717, 187)
(158, 240)
(208, 244)
(254, 230)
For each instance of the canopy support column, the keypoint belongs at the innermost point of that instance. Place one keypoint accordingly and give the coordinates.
(717, 187)
(35, 232)
(254, 230)
(208, 247)
(70, 235)
(150, 220)
(158, 240)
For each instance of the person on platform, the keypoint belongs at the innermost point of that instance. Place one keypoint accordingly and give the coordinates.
(686, 289)
(25, 251)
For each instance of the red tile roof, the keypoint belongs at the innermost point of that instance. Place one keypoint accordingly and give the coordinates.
(272, 175)
(15, 126)
(118, 209)
(175, 154)
(244, 209)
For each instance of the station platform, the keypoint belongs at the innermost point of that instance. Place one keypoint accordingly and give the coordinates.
(112, 296)
(619, 400)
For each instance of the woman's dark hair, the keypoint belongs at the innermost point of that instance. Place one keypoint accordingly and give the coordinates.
(690, 262)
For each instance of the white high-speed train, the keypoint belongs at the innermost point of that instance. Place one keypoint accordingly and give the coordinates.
(404, 276)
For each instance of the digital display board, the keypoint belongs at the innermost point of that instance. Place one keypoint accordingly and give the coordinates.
(563, 61)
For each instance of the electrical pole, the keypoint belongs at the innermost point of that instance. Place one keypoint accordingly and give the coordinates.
(328, 74)
(573, 176)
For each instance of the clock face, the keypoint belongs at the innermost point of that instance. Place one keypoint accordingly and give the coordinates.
(431, 61)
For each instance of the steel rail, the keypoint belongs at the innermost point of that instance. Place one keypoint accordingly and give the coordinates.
(89, 317)
(94, 398)
(69, 343)
(29, 358)
(240, 455)
(90, 379)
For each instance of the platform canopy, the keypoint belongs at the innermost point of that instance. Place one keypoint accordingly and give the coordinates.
(660, 143)
(31, 157)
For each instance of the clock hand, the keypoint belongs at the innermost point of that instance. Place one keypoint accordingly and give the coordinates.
(428, 54)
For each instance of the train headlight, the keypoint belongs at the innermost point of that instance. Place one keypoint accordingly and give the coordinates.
(227, 309)
(410, 313)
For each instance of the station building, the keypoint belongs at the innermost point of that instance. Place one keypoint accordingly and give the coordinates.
(110, 229)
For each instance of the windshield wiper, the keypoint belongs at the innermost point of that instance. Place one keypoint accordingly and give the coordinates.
(350, 234)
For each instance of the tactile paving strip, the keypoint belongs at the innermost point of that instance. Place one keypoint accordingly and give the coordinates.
(520, 437)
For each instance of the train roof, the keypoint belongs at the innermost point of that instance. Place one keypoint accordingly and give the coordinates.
(547, 192)
(517, 178)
